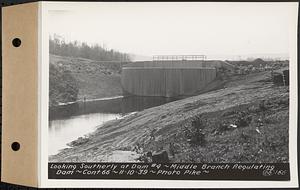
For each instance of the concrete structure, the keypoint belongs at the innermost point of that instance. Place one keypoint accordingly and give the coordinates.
(178, 63)
(168, 78)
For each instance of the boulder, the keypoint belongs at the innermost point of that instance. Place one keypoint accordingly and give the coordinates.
(160, 157)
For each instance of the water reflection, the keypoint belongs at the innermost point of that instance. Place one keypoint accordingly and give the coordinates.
(69, 122)
(116, 105)
(63, 131)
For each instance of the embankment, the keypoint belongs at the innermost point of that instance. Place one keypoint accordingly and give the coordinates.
(262, 137)
(93, 79)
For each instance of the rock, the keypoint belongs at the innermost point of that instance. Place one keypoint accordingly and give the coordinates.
(160, 157)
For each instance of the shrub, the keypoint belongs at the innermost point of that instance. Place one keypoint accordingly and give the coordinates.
(243, 119)
(195, 133)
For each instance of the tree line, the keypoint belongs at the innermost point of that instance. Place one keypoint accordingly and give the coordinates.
(96, 52)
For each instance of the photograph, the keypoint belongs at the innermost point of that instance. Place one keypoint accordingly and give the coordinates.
(169, 82)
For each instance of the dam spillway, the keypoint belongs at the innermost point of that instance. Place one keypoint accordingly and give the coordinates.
(167, 78)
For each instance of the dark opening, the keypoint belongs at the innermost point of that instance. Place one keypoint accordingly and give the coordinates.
(16, 42)
(15, 146)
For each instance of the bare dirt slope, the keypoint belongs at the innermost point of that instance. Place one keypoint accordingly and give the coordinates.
(94, 79)
(257, 110)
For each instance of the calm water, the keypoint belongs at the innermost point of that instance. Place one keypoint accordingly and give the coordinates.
(68, 122)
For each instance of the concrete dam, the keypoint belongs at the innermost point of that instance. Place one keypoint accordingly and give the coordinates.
(168, 78)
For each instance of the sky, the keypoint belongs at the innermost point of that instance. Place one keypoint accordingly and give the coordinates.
(213, 29)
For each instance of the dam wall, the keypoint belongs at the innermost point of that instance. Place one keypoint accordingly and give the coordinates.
(177, 63)
(168, 79)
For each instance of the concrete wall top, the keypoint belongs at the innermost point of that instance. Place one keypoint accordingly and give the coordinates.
(177, 64)
(168, 68)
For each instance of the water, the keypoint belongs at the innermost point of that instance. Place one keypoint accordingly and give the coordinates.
(63, 131)
(68, 122)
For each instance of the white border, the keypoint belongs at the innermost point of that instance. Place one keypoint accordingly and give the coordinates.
(40, 46)
(43, 91)
(43, 120)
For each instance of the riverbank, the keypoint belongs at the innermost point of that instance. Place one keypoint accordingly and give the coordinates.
(88, 100)
(89, 78)
(251, 126)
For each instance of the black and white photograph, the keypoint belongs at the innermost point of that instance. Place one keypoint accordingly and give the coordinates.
(169, 83)
(150, 94)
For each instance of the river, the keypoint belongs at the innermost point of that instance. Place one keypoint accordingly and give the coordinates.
(69, 122)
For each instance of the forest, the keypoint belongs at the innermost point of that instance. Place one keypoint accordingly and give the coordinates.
(58, 46)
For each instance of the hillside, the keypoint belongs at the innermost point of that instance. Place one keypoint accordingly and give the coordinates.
(94, 79)
(252, 126)
(63, 86)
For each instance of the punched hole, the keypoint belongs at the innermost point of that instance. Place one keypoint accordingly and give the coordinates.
(16, 42)
(15, 146)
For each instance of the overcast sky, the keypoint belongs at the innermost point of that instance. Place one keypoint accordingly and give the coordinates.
(178, 28)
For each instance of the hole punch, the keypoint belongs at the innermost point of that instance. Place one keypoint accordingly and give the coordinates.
(16, 42)
(15, 146)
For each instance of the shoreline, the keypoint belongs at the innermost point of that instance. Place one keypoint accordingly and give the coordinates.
(88, 100)
(170, 122)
